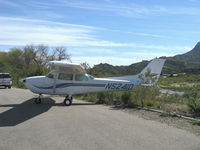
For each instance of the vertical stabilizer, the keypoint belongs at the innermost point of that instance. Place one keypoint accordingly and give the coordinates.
(151, 73)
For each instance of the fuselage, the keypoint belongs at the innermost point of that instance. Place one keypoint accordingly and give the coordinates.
(52, 86)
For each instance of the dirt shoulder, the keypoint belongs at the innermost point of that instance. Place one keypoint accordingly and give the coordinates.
(171, 121)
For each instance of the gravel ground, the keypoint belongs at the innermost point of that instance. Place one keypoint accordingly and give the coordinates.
(171, 121)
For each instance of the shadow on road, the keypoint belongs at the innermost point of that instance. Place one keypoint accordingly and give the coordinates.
(28, 109)
(24, 111)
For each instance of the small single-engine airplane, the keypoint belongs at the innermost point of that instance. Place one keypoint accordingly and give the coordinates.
(69, 79)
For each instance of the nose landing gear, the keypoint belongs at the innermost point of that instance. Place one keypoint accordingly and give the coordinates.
(38, 100)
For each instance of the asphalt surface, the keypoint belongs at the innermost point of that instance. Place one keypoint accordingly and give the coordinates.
(82, 126)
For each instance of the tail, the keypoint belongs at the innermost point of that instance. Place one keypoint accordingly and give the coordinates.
(150, 74)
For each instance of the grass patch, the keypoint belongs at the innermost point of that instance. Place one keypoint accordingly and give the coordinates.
(196, 123)
(165, 114)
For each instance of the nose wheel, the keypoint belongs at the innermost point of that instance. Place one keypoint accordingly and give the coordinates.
(68, 101)
(38, 100)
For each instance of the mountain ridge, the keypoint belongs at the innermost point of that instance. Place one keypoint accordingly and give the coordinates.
(188, 62)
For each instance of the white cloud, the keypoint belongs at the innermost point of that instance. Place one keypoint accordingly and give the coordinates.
(92, 50)
(162, 47)
(84, 40)
(132, 9)
(20, 31)
(9, 3)
(118, 58)
(110, 60)
(149, 54)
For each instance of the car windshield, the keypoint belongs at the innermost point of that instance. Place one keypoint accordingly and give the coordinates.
(4, 76)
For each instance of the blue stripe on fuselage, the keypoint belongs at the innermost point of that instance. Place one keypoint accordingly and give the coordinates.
(64, 85)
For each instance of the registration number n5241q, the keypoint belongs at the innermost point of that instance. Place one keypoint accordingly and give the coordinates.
(119, 86)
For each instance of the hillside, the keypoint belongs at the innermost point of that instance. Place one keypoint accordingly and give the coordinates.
(187, 63)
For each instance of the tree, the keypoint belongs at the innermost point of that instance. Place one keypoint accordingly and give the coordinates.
(60, 53)
(86, 66)
(42, 54)
(3, 61)
(29, 61)
(147, 78)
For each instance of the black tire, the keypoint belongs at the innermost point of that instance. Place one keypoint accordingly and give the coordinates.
(67, 102)
(37, 100)
(9, 87)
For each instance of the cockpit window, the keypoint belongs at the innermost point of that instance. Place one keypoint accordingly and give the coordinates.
(51, 74)
(91, 77)
(81, 77)
(63, 76)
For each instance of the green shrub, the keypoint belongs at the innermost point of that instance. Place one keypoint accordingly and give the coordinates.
(194, 107)
(166, 114)
(126, 98)
(196, 122)
(101, 98)
(113, 98)
(149, 103)
(145, 96)
(88, 97)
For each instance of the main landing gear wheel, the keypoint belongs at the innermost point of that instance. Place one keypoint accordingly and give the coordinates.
(68, 101)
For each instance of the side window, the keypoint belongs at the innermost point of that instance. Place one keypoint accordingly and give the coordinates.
(5, 76)
(81, 77)
(63, 76)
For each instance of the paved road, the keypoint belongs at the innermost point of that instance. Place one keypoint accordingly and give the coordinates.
(82, 126)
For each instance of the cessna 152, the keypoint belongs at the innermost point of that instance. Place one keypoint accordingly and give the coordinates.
(69, 79)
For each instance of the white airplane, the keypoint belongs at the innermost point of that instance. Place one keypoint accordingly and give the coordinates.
(70, 79)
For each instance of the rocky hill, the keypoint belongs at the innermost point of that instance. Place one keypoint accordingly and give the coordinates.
(187, 63)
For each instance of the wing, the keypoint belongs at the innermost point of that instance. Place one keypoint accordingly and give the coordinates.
(63, 66)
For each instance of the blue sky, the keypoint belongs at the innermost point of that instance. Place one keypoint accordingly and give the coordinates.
(119, 32)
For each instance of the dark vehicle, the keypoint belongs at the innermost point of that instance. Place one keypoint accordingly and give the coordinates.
(5, 80)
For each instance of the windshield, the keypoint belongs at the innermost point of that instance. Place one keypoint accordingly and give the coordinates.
(91, 77)
(51, 74)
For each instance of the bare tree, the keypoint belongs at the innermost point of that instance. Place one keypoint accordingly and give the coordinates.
(61, 53)
(42, 54)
